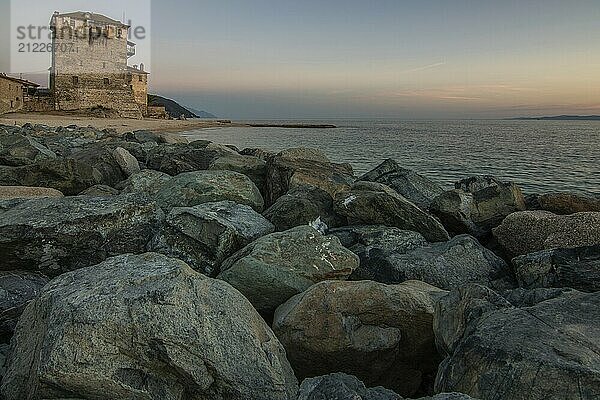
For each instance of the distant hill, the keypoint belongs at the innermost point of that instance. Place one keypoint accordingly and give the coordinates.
(202, 114)
(561, 118)
(173, 108)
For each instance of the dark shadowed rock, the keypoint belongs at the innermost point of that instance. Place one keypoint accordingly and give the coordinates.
(17, 150)
(299, 167)
(205, 235)
(278, 266)
(477, 205)
(301, 206)
(144, 327)
(157, 137)
(147, 181)
(577, 268)
(69, 176)
(175, 159)
(102, 159)
(100, 191)
(380, 333)
(17, 289)
(253, 167)
(447, 265)
(256, 152)
(412, 186)
(369, 203)
(567, 203)
(540, 344)
(57, 235)
(531, 231)
(341, 386)
(192, 188)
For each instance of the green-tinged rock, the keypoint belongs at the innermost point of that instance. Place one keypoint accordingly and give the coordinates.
(369, 203)
(57, 235)
(192, 188)
(278, 266)
(205, 235)
(144, 327)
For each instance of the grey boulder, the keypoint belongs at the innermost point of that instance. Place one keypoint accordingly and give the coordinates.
(17, 150)
(278, 266)
(17, 289)
(253, 167)
(57, 235)
(147, 181)
(477, 205)
(539, 344)
(411, 185)
(144, 327)
(369, 203)
(206, 234)
(577, 268)
(341, 386)
(382, 334)
(531, 231)
(447, 265)
(567, 203)
(301, 206)
(192, 188)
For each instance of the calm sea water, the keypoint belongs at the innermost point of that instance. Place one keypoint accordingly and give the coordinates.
(541, 156)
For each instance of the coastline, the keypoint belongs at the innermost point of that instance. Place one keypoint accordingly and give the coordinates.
(121, 125)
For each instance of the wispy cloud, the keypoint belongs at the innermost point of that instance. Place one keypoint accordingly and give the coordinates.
(424, 67)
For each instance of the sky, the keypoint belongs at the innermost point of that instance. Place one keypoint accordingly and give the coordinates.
(425, 59)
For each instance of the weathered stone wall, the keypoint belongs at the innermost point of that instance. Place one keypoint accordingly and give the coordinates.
(139, 85)
(90, 68)
(11, 96)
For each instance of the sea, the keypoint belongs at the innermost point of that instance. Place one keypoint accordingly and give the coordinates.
(540, 156)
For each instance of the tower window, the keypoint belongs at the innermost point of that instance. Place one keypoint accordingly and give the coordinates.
(141, 78)
(106, 81)
(75, 80)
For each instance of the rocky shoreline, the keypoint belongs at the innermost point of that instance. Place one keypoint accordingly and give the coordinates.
(139, 266)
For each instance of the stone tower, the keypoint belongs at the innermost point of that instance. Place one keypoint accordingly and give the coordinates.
(89, 66)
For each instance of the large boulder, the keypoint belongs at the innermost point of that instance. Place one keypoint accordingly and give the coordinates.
(100, 191)
(540, 344)
(142, 136)
(477, 205)
(368, 203)
(192, 188)
(144, 327)
(278, 266)
(299, 167)
(567, 203)
(380, 333)
(128, 163)
(67, 175)
(577, 268)
(103, 159)
(174, 159)
(147, 181)
(342, 386)
(17, 289)
(301, 206)
(57, 235)
(531, 231)
(206, 234)
(17, 150)
(447, 265)
(412, 186)
(26, 192)
(253, 167)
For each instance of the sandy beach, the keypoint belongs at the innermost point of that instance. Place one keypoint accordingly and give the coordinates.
(120, 124)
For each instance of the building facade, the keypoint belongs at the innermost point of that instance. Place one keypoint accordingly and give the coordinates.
(89, 66)
(14, 93)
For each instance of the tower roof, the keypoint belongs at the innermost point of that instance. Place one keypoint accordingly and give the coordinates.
(90, 16)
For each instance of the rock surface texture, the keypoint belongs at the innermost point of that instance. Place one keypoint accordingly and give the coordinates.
(380, 333)
(278, 266)
(530, 231)
(368, 203)
(144, 327)
(540, 344)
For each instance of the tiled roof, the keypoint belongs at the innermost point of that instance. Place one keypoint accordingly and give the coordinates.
(19, 81)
